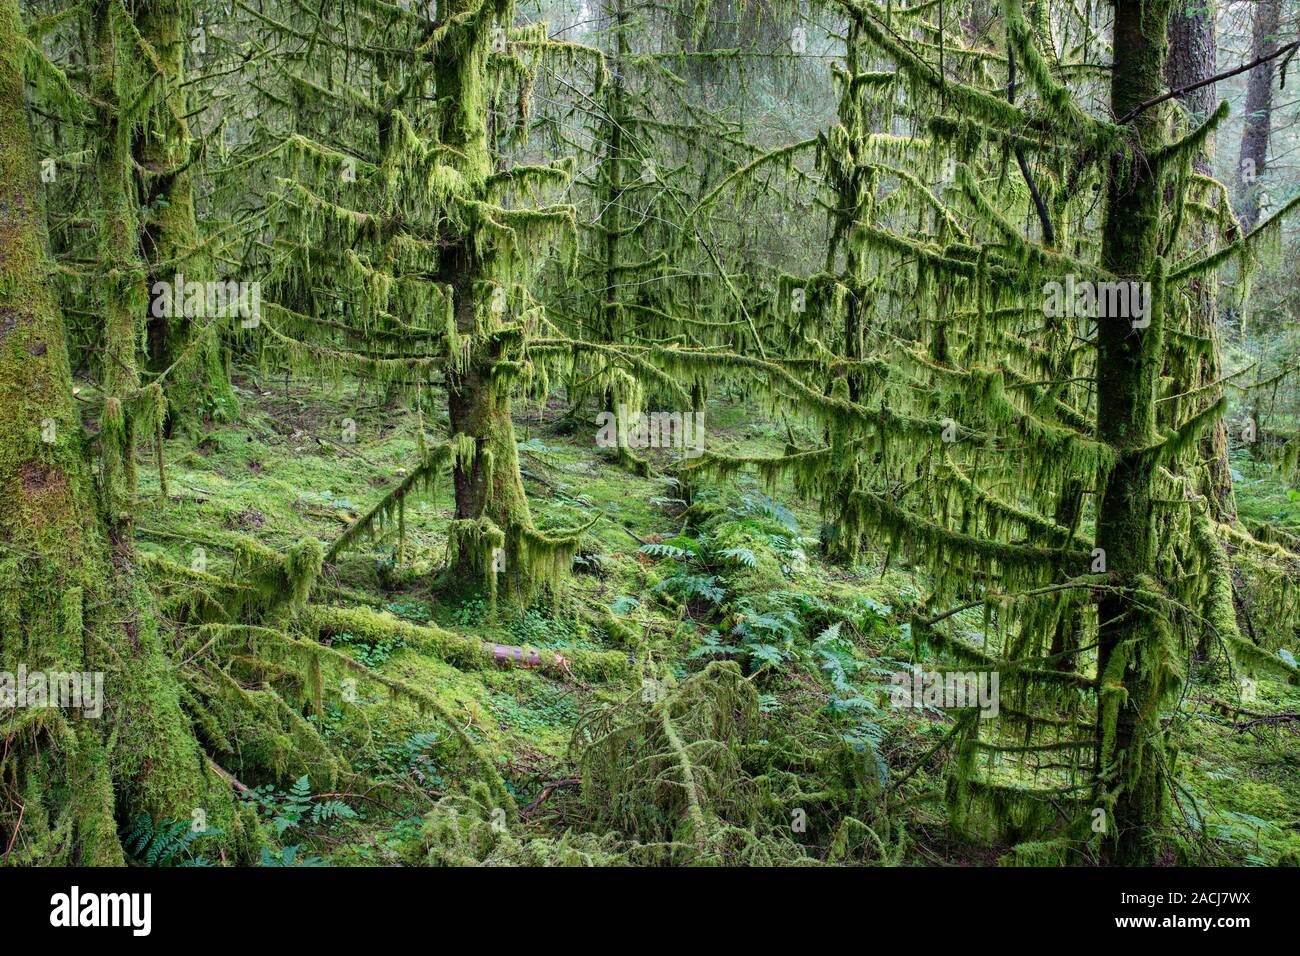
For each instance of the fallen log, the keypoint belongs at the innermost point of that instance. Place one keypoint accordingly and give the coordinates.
(459, 650)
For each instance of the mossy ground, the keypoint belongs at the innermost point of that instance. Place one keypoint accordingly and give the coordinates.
(304, 461)
(1262, 497)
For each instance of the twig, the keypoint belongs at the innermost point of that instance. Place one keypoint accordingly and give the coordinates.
(1270, 720)
(1142, 107)
(1049, 234)
(548, 789)
(226, 775)
(17, 826)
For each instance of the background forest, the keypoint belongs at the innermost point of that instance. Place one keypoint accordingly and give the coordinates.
(627, 432)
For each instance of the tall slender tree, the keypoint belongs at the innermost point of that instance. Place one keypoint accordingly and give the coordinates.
(1252, 162)
(186, 352)
(1192, 61)
(404, 252)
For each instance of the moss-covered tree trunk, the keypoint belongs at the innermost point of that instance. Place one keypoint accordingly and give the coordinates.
(74, 776)
(491, 508)
(1130, 742)
(1193, 58)
(856, 189)
(614, 181)
(158, 767)
(199, 384)
(50, 550)
(610, 222)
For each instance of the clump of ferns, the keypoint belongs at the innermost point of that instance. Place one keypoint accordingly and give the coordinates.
(297, 808)
(776, 633)
(760, 534)
(165, 842)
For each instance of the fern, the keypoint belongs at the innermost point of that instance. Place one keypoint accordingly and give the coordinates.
(665, 551)
(295, 807)
(331, 811)
(624, 604)
(288, 857)
(164, 842)
(689, 586)
(712, 646)
(743, 556)
(296, 803)
(769, 507)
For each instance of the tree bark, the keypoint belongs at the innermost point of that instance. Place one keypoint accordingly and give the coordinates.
(1129, 738)
(1193, 57)
(50, 549)
(1253, 158)
(199, 385)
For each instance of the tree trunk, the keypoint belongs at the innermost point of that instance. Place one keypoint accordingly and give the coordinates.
(50, 549)
(199, 385)
(1259, 111)
(487, 538)
(1193, 58)
(158, 767)
(611, 221)
(489, 486)
(59, 545)
(1129, 739)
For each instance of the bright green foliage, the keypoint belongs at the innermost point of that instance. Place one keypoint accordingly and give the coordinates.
(976, 421)
(963, 312)
(163, 842)
(402, 253)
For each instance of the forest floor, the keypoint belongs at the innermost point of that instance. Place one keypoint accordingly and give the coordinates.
(745, 580)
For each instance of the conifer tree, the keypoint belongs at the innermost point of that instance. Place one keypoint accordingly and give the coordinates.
(185, 352)
(1266, 18)
(403, 252)
(75, 599)
(648, 272)
(1193, 59)
(1021, 420)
